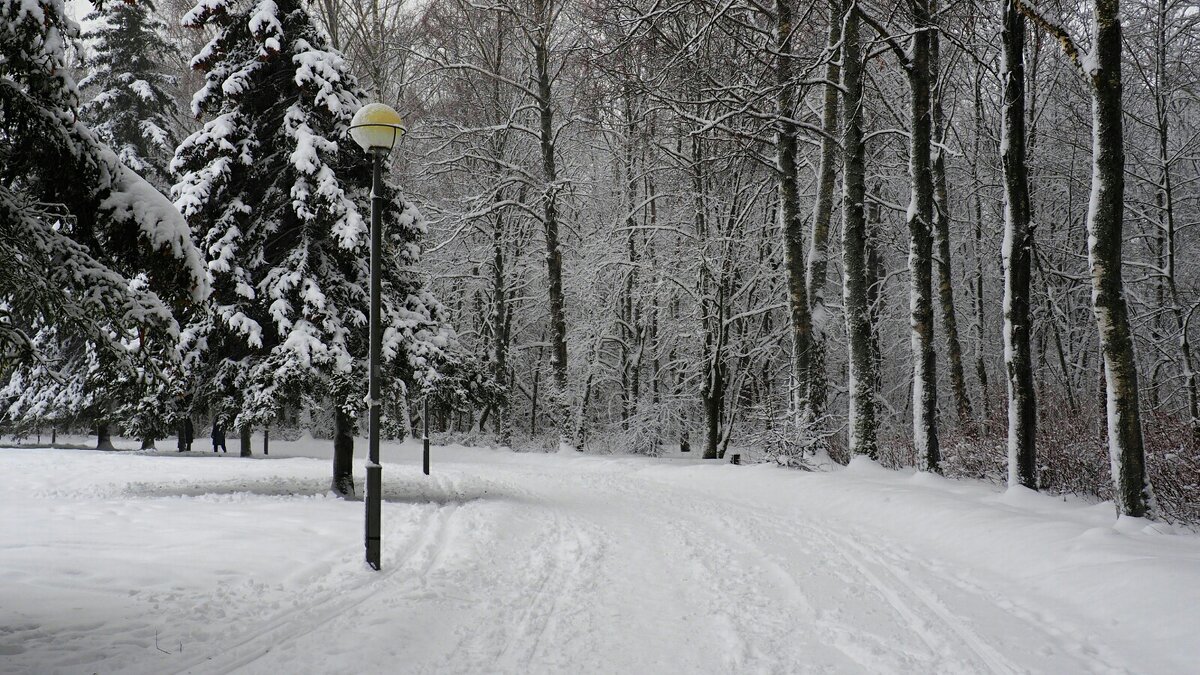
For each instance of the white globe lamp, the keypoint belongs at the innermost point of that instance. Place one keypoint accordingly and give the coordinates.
(376, 128)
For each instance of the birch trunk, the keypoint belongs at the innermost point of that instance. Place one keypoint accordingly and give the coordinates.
(861, 420)
(1016, 254)
(818, 250)
(920, 247)
(1105, 219)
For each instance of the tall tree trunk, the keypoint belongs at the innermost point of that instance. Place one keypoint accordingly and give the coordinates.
(980, 322)
(245, 432)
(818, 250)
(554, 260)
(920, 246)
(1016, 255)
(500, 332)
(103, 438)
(1105, 219)
(789, 209)
(631, 330)
(533, 401)
(712, 386)
(941, 219)
(343, 452)
(861, 421)
(876, 277)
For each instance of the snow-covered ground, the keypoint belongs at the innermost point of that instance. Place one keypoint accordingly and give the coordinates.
(520, 563)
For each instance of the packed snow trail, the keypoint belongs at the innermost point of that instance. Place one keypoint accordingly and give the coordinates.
(518, 563)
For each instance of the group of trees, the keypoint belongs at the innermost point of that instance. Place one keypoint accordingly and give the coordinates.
(244, 298)
(644, 212)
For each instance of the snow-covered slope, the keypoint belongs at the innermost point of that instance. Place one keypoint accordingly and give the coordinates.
(507, 563)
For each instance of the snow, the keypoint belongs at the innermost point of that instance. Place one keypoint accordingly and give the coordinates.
(142, 89)
(132, 198)
(520, 563)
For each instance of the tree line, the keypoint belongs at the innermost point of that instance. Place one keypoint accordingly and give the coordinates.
(945, 235)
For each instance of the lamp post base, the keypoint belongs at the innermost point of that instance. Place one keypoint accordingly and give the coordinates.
(374, 516)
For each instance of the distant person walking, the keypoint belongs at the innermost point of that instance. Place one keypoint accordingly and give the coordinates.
(189, 433)
(218, 436)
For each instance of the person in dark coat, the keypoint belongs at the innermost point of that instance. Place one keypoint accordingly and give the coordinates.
(189, 433)
(218, 436)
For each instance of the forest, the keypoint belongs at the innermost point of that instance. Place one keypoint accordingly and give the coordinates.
(953, 236)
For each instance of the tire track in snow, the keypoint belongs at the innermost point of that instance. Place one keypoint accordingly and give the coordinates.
(924, 607)
(918, 613)
(726, 553)
(291, 624)
(1094, 658)
(917, 604)
(559, 577)
(885, 571)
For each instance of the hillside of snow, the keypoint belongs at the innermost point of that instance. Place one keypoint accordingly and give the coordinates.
(498, 562)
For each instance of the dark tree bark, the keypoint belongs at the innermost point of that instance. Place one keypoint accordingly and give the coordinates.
(500, 329)
(1016, 256)
(712, 305)
(920, 247)
(818, 250)
(789, 209)
(980, 323)
(554, 259)
(244, 434)
(941, 218)
(861, 421)
(343, 453)
(103, 438)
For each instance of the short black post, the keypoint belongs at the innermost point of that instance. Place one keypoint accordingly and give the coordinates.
(266, 440)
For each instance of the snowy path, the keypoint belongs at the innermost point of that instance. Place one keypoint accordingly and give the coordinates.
(503, 563)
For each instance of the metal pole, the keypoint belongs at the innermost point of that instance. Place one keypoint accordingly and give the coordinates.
(374, 470)
(425, 434)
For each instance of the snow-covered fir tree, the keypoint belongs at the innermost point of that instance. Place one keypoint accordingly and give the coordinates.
(129, 105)
(275, 191)
(93, 259)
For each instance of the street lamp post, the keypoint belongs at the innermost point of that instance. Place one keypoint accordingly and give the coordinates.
(375, 127)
